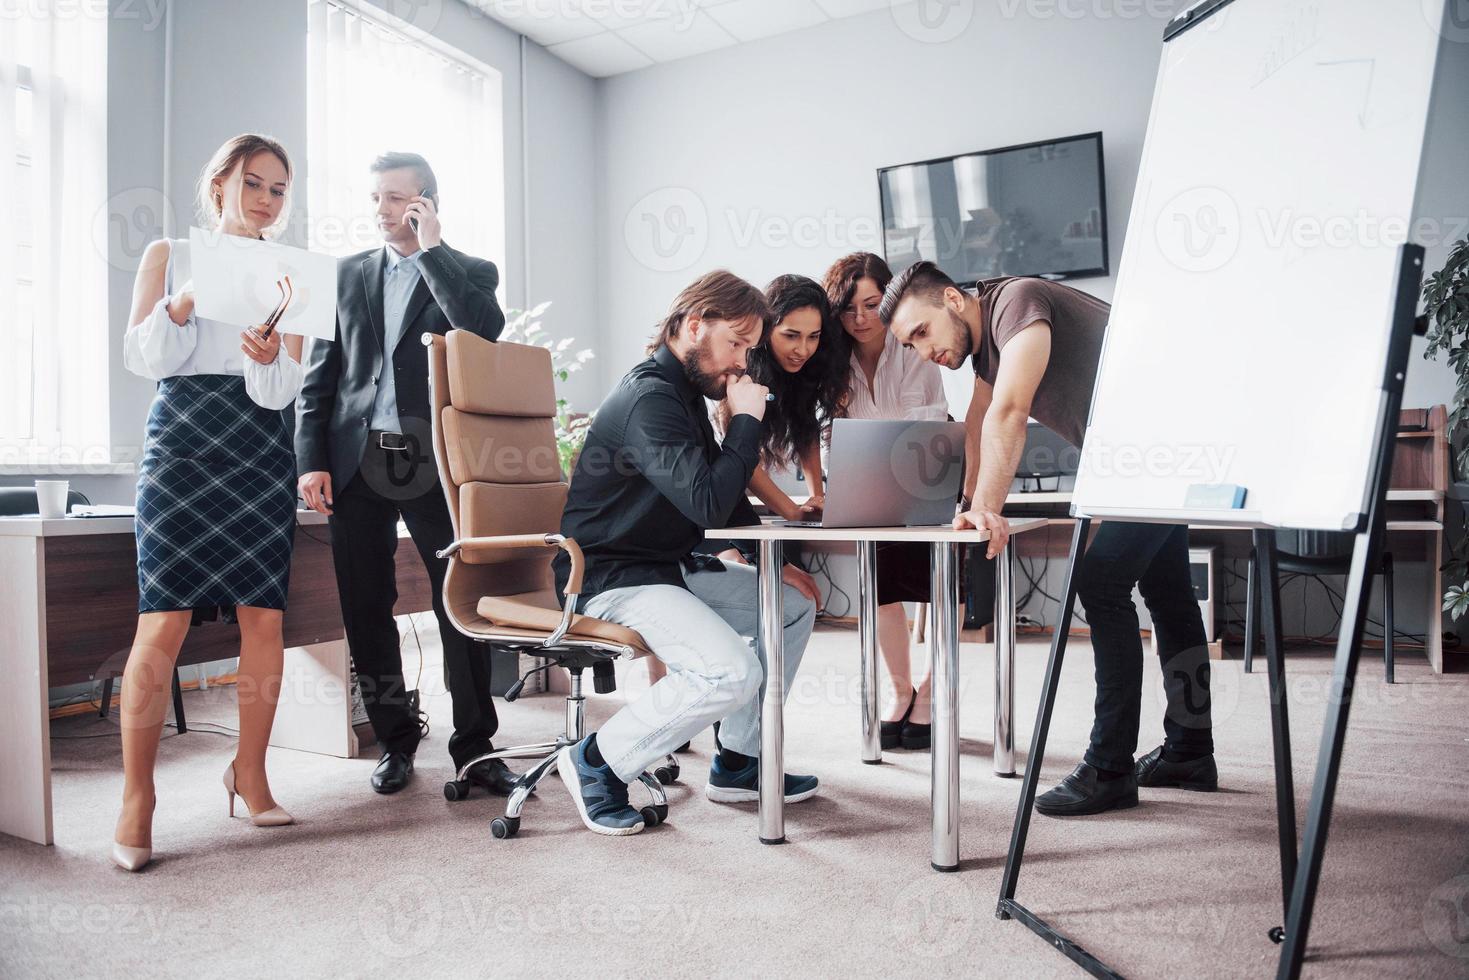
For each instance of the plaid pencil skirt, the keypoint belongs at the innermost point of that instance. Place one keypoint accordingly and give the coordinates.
(216, 499)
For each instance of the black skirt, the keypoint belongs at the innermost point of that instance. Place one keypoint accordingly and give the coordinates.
(902, 572)
(216, 499)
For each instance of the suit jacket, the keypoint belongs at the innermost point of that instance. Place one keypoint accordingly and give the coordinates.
(456, 291)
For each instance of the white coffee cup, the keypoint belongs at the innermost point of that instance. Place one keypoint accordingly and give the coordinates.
(51, 498)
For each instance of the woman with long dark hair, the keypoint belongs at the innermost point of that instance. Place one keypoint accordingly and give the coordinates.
(803, 361)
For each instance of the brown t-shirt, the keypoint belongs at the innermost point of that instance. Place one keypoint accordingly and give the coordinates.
(1078, 323)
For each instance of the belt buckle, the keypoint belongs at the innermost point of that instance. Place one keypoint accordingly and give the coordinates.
(392, 441)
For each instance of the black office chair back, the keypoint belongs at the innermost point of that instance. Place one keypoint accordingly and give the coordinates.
(21, 501)
(1314, 544)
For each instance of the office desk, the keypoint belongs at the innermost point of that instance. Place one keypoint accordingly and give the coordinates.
(944, 546)
(1415, 529)
(68, 613)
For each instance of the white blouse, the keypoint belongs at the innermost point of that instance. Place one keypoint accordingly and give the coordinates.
(904, 386)
(158, 348)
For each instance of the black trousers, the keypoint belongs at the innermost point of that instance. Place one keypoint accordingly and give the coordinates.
(1154, 558)
(364, 526)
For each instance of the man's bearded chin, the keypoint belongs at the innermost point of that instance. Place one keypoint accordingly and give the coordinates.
(965, 347)
(713, 386)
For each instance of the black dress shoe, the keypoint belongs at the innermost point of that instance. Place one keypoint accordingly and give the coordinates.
(392, 772)
(1199, 775)
(493, 775)
(890, 733)
(1083, 793)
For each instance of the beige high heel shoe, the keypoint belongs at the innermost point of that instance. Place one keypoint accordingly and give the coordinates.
(131, 858)
(274, 817)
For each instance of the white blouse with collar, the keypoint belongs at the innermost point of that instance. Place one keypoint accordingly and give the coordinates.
(904, 386)
(158, 348)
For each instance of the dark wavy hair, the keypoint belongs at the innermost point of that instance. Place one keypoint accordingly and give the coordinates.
(806, 401)
(842, 278)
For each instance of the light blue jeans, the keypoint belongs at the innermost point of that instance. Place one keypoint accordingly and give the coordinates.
(715, 673)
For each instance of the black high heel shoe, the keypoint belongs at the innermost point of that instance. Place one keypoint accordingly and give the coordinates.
(914, 735)
(890, 733)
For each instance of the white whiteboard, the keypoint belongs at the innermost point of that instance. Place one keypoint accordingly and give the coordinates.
(1249, 327)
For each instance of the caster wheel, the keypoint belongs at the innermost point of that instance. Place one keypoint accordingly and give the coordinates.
(667, 775)
(651, 816)
(662, 810)
(503, 827)
(454, 791)
(1277, 934)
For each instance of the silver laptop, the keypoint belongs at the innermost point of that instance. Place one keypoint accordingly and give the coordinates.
(883, 473)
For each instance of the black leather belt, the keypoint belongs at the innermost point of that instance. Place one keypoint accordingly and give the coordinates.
(392, 441)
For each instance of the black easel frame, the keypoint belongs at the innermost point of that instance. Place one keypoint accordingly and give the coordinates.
(1299, 875)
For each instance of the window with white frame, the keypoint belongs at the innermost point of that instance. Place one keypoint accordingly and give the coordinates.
(375, 85)
(53, 268)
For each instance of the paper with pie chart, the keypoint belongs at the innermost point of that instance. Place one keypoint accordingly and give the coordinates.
(235, 282)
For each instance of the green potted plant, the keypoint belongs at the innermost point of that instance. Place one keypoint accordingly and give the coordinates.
(524, 327)
(1446, 302)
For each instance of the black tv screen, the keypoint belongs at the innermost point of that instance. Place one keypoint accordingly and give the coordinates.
(1034, 210)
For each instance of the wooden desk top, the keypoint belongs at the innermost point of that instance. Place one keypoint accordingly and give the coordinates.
(922, 535)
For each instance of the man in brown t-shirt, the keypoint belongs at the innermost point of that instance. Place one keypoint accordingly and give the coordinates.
(1035, 347)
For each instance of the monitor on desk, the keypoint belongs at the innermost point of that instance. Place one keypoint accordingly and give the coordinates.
(1046, 456)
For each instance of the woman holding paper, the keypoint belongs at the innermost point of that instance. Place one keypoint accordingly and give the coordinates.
(216, 507)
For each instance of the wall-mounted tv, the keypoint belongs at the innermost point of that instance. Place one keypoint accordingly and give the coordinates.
(1039, 209)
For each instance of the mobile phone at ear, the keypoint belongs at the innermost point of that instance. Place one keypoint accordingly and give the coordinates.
(412, 221)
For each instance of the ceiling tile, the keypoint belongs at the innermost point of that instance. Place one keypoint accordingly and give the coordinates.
(751, 19)
(601, 55)
(667, 40)
(849, 8)
(546, 22)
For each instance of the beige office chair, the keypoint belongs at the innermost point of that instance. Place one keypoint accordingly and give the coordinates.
(494, 441)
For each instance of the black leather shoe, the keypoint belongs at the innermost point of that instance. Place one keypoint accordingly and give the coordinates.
(1199, 775)
(916, 736)
(392, 772)
(1082, 794)
(493, 775)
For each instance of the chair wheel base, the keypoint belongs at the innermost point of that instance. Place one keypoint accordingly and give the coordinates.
(503, 827)
(456, 790)
(667, 775)
(654, 814)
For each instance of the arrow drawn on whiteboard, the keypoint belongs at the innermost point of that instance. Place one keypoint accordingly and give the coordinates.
(1371, 64)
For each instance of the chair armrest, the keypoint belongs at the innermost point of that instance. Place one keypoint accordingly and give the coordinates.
(568, 545)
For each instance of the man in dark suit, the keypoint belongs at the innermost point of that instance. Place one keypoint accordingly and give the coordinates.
(365, 456)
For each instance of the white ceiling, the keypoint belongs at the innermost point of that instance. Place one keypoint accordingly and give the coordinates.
(608, 37)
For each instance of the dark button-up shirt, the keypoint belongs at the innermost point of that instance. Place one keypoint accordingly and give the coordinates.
(651, 479)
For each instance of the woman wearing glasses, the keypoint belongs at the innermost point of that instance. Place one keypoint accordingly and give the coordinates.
(216, 505)
(889, 381)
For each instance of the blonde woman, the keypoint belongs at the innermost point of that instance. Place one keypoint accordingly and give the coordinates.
(216, 506)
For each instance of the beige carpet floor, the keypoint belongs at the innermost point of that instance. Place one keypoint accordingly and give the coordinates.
(410, 885)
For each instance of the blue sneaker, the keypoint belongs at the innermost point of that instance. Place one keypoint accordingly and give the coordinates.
(600, 797)
(743, 785)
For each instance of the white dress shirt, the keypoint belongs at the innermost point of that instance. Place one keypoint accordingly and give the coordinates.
(158, 348)
(400, 278)
(904, 386)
